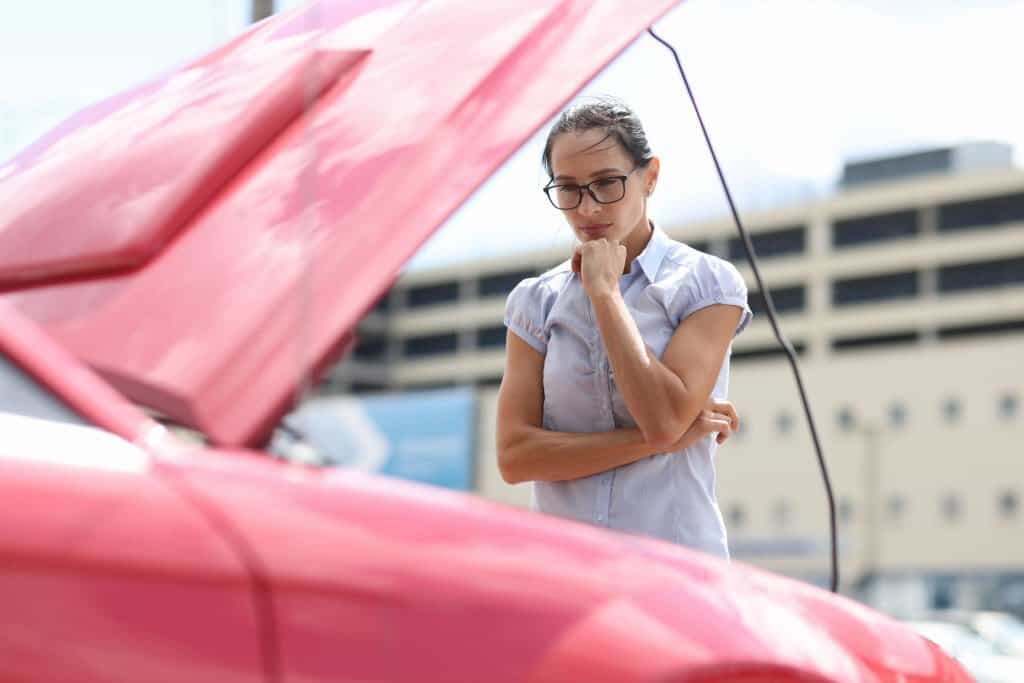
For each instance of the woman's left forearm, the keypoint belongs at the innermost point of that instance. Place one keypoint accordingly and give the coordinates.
(656, 397)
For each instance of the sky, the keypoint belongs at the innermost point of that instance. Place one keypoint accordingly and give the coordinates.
(789, 89)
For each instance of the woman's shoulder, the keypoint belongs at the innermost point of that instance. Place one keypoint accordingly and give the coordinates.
(683, 263)
(545, 286)
(682, 255)
(530, 302)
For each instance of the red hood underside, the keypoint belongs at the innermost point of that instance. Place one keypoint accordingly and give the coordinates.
(207, 240)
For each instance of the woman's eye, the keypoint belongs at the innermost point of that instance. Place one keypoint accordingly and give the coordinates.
(606, 182)
(568, 189)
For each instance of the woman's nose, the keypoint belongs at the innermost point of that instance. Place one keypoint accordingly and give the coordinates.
(588, 205)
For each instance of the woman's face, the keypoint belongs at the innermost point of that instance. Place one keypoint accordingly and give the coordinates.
(583, 157)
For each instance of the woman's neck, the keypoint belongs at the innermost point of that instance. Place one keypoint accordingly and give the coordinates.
(636, 241)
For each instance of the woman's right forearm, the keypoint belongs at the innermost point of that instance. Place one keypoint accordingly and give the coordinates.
(535, 454)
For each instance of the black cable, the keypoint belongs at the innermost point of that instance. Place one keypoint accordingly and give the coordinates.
(748, 247)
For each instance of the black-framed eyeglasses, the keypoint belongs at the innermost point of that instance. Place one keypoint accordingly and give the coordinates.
(606, 190)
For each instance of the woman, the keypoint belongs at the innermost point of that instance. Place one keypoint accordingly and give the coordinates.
(617, 360)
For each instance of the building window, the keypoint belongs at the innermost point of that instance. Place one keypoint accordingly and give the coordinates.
(489, 381)
(786, 300)
(880, 228)
(862, 290)
(491, 337)
(366, 387)
(845, 418)
(383, 304)
(371, 349)
(893, 167)
(951, 507)
(501, 284)
(702, 245)
(430, 345)
(845, 511)
(897, 415)
(952, 409)
(764, 352)
(895, 507)
(737, 515)
(429, 295)
(892, 339)
(982, 275)
(981, 213)
(791, 240)
(784, 423)
(1008, 504)
(430, 385)
(1008, 406)
(981, 329)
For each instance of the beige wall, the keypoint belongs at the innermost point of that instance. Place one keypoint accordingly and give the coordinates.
(816, 269)
(976, 458)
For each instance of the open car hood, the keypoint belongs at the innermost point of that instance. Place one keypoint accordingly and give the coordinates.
(209, 240)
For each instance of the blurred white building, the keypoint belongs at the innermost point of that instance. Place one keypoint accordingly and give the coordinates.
(904, 296)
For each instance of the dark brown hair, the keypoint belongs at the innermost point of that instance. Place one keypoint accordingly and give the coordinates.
(609, 114)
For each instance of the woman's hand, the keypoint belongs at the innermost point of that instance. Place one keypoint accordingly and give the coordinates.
(599, 264)
(717, 416)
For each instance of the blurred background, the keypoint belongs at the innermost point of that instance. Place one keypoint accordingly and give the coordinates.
(873, 149)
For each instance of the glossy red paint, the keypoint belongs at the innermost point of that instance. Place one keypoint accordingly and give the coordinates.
(377, 578)
(155, 183)
(108, 573)
(155, 561)
(429, 99)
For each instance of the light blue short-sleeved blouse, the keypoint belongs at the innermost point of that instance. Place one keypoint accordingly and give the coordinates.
(671, 495)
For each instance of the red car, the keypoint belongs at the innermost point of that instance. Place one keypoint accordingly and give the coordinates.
(197, 250)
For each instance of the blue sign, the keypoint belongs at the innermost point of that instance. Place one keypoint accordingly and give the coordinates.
(425, 436)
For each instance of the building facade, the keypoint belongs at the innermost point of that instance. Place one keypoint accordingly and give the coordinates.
(903, 296)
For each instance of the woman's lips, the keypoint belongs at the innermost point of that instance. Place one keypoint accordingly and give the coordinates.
(595, 229)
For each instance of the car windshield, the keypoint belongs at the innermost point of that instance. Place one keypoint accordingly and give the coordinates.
(21, 394)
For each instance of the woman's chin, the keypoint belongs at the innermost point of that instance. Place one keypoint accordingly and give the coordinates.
(589, 235)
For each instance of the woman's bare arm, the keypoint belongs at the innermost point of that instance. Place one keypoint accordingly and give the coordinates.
(665, 395)
(528, 452)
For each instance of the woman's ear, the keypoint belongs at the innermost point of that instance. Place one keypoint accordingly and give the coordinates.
(651, 175)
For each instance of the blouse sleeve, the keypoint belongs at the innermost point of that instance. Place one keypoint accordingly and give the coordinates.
(711, 281)
(525, 313)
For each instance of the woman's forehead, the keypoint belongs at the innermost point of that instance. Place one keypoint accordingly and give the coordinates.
(578, 154)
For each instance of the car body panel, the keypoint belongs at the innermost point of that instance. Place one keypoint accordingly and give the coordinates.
(378, 579)
(229, 564)
(107, 573)
(263, 285)
(166, 163)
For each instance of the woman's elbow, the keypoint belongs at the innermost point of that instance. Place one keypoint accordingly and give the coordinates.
(508, 474)
(508, 467)
(664, 434)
